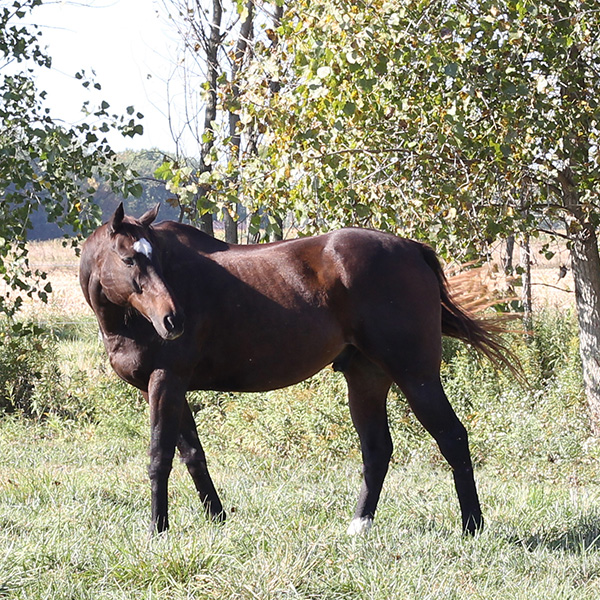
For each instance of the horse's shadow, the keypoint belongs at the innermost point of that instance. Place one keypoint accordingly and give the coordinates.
(582, 536)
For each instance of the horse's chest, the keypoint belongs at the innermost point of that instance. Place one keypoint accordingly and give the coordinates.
(130, 361)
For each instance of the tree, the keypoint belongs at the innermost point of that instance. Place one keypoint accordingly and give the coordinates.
(456, 122)
(43, 164)
(219, 40)
(459, 123)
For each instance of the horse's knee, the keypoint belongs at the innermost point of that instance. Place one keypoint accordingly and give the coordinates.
(377, 453)
(160, 468)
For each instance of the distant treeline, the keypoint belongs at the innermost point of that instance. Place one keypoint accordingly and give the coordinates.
(145, 163)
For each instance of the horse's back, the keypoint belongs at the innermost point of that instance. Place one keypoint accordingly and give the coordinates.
(363, 265)
(378, 269)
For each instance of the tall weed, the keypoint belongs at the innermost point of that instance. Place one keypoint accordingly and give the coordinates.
(54, 371)
(29, 370)
(66, 375)
(545, 423)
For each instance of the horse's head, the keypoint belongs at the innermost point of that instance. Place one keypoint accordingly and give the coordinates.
(131, 274)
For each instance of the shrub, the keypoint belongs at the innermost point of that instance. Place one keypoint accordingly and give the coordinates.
(546, 423)
(29, 368)
(543, 425)
(40, 376)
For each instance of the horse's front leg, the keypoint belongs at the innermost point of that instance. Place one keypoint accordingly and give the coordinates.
(193, 457)
(166, 396)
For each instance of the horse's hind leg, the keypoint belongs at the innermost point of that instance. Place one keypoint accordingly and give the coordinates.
(193, 457)
(368, 387)
(430, 404)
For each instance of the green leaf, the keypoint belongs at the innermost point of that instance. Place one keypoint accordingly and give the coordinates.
(451, 69)
(349, 108)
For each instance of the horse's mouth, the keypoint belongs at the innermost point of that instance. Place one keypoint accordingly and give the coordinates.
(172, 335)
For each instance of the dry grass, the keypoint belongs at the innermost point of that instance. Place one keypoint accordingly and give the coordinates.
(62, 266)
(477, 287)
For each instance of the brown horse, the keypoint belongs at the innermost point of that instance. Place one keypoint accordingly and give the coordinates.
(179, 310)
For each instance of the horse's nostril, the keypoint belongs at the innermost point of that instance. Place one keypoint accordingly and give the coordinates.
(169, 322)
(173, 324)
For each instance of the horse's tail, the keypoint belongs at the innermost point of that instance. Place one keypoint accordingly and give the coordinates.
(482, 334)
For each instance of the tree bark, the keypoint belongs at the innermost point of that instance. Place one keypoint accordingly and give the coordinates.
(585, 266)
(212, 61)
(507, 255)
(526, 298)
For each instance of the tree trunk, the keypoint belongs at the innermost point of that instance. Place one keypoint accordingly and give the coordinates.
(277, 235)
(507, 255)
(212, 51)
(585, 266)
(231, 228)
(231, 231)
(526, 299)
(206, 224)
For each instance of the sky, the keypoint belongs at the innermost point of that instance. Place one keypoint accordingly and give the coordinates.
(132, 49)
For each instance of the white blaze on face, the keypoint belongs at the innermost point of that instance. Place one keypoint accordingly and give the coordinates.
(142, 246)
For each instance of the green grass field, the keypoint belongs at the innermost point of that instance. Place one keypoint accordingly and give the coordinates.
(74, 505)
(75, 499)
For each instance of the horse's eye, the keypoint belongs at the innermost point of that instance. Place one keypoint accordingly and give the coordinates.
(129, 261)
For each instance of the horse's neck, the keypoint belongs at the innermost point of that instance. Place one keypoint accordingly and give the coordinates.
(112, 319)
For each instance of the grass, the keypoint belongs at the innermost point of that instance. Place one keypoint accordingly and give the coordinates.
(74, 511)
(74, 497)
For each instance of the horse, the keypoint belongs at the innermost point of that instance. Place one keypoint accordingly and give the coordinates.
(179, 310)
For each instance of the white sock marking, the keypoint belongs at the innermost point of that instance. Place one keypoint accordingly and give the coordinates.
(360, 525)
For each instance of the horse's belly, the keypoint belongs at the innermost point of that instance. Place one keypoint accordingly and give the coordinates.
(267, 361)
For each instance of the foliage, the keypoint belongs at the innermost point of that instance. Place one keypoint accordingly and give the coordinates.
(43, 163)
(55, 371)
(458, 123)
(28, 365)
(139, 163)
(62, 371)
(312, 420)
(218, 41)
(545, 423)
(152, 191)
(455, 122)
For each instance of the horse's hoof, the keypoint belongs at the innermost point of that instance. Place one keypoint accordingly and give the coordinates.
(219, 517)
(473, 526)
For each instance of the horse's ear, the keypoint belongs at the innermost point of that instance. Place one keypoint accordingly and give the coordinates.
(116, 219)
(148, 217)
